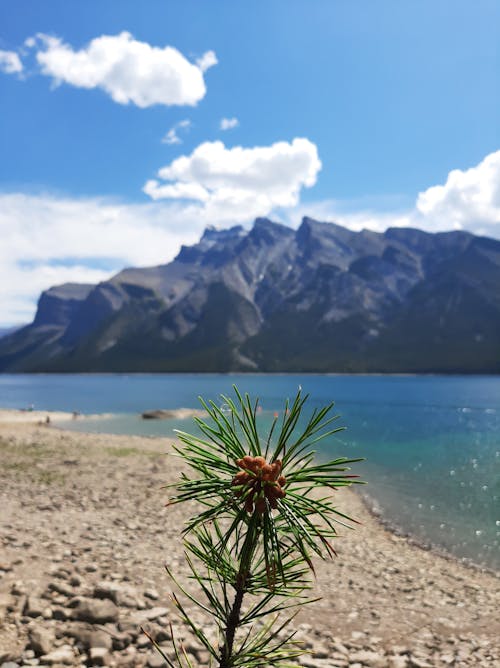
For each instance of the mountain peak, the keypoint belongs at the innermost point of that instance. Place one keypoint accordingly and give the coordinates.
(214, 234)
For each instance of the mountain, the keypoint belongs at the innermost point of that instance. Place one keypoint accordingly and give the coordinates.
(4, 331)
(320, 298)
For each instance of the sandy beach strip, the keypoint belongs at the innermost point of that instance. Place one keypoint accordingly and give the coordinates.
(85, 535)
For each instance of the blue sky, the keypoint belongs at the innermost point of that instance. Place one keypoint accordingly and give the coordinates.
(372, 113)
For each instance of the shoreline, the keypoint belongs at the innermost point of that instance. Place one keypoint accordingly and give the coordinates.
(59, 419)
(373, 508)
(389, 374)
(84, 523)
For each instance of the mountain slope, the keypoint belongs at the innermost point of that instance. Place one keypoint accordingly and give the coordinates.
(321, 298)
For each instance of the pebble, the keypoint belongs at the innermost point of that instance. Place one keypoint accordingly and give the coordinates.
(95, 611)
(155, 660)
(63, 654)
(34, 607)
(41, 640)
(99, 656)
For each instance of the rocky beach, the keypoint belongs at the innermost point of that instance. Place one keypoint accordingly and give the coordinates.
(85, 535)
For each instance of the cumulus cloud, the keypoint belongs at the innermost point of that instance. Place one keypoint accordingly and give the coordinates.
(49, 240)
(239, 183)
(172, 136)
(469, 198)
(229, 123)
(128, 70)
(10, 63)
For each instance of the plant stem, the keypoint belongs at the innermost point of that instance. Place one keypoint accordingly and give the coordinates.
(231, 626)
(233, 618)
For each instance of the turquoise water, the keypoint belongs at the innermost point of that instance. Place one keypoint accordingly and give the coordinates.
(432, 443)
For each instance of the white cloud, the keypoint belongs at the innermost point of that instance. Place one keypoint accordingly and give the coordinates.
(49, 240)
(236, 184)
(229, 123)
(128, 70)
(172, 136)
(469, 198)
(207, 60)
(10, 63)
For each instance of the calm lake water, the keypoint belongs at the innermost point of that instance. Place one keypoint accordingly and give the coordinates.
(432, 443)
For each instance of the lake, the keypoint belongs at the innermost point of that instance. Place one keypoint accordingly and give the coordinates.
(431, 443)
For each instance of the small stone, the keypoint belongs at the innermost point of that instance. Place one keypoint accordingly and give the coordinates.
(41, 641)
(107, 590)
(47, 612)
(419, 663)
(95, 611)
(152, 594)
(149, 615)
(121, 640)
(98, 656)
(143, 641)
(61, 588)
(368, 658)
(34, 607)
(63, 654)
(5, 601)
(9, 664)
(18, 588)
(155, 660)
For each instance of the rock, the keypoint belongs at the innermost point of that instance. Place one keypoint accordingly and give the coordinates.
(95, 611)
(5, 601)
(34, 607)
(18, 588)
(47, 612)
(152, 594)
(121, 640)
(149, 615)
(397, 661)
(162, 634)
(100, 639)
(368, 658)
(127, 659)
(416, 662)
(159, 414)
(106, 589)
(9, 664)
(63, 654)
(61, 614)
(98, 656)
(122, 596)
(155, 660)
(61, 588)
(87, 638)
(41, 641)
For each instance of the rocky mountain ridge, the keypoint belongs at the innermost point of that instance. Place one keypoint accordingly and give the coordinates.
(320, 298)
